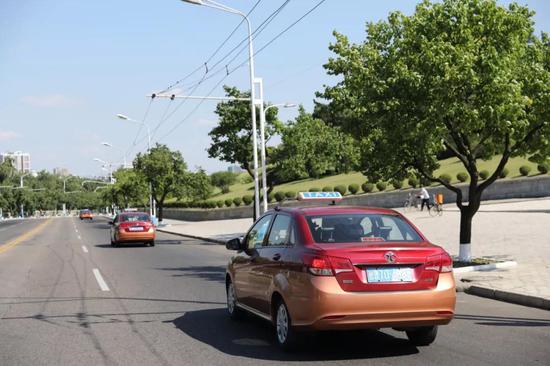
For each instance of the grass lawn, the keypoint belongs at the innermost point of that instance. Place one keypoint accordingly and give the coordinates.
(451, 166)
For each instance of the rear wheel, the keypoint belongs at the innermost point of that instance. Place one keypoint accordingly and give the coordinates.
(423, 336)
(287, 338)
(113, 243)
(152, 243)
(234, 312)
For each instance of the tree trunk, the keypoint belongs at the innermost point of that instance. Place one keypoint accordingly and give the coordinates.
(466, 215)
(160, 207)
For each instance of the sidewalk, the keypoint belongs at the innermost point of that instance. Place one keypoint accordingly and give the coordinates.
(503, 230)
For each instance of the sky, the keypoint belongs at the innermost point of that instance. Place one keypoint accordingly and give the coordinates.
(68, 67)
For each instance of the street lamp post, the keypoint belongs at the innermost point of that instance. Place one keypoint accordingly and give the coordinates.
(263, 112)
(215, 5)
(119, 149)
(105, 166)
(21, 186)
(152, 206)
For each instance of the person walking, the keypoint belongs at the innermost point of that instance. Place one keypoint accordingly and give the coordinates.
(425, 197)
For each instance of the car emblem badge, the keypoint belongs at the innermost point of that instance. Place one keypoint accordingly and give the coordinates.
(390, 257)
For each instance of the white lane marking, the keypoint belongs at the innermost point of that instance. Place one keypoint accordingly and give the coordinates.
(100, 281)
(79, 237)
(85, 249)
(76, 230)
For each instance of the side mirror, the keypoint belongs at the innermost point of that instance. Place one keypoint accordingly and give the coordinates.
(234, 244)
(111, 223)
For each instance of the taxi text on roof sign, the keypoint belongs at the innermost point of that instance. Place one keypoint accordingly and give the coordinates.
(319, 196)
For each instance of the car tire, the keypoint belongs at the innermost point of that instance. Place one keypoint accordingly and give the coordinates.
(152, 243)
(285, 334)
(233, 310)
(423, 336)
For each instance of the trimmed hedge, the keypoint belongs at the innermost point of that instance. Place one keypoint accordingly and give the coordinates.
(445, 177)
(219, 203)
(542, 168)
(271, 197)
(397, 184)
(353, 188)
(484, 174)
(315, 189)
(327, 189)
(413, 182)
(524, 170)
(462, 177)
(248, 199)
(237, 201)
(279, 196)
(290, 195)
(381, 186)
(228, 202)
(341, 188)
(504, 173)
(367, 187)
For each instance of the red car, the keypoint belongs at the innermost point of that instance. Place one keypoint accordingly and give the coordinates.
(331, 268)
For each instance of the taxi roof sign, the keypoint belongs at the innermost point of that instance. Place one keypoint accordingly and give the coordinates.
(319, 196)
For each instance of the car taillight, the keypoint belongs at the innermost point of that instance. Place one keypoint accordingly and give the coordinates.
(446, 263)
(439, 263)
(327, 266)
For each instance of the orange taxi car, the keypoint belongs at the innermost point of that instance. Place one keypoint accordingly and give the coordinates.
(85, 214)
(337, 268)
(132, 227)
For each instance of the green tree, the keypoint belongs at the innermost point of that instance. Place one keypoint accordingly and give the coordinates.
(165, 169)
(468, 76)
(131, 187)
(196, 186)
(223, 180)
(311, 148)
(232, 137)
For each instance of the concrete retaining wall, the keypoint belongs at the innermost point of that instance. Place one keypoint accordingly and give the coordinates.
(502, 189)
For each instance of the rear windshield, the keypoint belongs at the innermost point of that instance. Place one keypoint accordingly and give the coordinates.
(134, 217)
(354, 228)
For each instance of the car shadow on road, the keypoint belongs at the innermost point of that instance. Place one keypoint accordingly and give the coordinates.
(210, 273)
(122, 246)
(254, 338)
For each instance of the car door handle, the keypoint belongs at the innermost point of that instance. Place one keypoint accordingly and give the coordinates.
(276, 257)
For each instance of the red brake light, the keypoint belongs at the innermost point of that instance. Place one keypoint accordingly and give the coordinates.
(340, 265)
(433, 263)
(327, 266)
(440, 263)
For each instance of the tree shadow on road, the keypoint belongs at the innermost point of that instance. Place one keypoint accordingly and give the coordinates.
(254, 338)
(210, 273)
(504, 321)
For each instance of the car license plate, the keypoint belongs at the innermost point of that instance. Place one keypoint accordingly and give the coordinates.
(136, 228)
(391, 274)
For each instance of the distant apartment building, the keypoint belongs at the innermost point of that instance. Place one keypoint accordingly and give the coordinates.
(234, 169)
(21, 161)
(62, 172)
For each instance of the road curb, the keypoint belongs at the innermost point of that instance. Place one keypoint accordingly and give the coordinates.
(211, 240)
(485, 267)
(506, 296)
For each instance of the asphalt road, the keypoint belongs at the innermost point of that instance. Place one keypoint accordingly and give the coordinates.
(165, 306)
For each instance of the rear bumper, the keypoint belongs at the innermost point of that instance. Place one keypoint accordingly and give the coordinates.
(125, 237)
(332, 308)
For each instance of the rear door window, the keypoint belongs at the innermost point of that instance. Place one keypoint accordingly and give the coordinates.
(280, 231)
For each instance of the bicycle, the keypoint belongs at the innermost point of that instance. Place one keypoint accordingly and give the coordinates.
(411, 201)
(435, 209)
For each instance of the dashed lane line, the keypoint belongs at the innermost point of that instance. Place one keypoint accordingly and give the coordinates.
(24, 237)
(100, 281)
(84, 249)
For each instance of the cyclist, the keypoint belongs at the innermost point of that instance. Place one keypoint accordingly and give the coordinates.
(425, 197)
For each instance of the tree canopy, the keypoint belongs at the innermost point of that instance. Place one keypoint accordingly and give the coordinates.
(311, 148)
(232, 137)
(467, 76)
